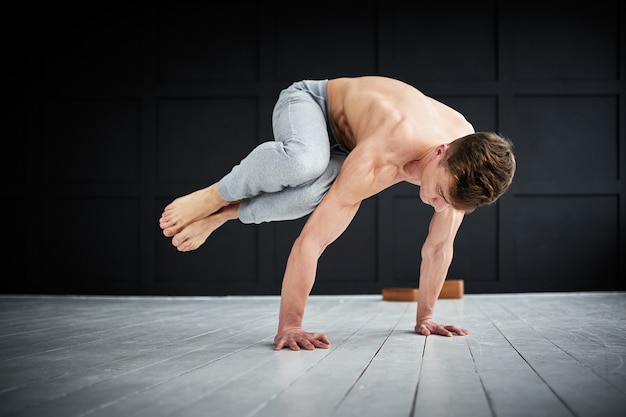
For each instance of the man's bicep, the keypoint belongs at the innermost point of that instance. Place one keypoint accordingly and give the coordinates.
(357, 178)
(330, 219)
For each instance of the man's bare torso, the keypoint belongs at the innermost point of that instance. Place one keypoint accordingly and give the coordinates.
(390, 111)
(392, 123)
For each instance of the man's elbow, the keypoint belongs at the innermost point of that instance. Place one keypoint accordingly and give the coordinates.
(309, 245)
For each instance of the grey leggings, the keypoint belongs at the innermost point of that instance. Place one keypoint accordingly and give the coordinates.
(286, 179)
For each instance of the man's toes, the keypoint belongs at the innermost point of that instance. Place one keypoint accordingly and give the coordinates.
(177, 240)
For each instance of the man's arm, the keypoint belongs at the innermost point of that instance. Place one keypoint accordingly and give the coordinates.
(355, 182)
(437, 253)
(326, 223)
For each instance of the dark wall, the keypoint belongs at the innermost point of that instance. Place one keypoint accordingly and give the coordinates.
(110, 110)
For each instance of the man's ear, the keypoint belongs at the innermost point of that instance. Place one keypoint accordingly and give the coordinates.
(442, 149)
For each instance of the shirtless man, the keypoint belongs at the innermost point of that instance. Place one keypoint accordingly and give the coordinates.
(338, 142)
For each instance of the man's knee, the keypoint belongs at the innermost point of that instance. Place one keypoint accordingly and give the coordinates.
(315, 190)
(308, 197)
(304, 169)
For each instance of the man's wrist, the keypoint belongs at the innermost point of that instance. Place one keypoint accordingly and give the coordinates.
(284, 329)
(288, 320)
(423, 316)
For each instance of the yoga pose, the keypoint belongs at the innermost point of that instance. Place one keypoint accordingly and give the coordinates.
(336, 143)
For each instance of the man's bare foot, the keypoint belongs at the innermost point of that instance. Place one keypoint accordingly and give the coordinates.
(195, 234)
(187, 209)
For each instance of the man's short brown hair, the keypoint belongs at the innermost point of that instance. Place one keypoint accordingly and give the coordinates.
(482, 165)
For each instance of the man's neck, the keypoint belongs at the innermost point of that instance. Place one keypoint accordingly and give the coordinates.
(412, 170)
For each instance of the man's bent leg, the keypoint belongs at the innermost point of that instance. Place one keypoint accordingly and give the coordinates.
(290, 203)
(298, 155)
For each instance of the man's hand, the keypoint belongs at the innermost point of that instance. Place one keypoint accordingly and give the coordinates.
(429, 326)
(296, 338)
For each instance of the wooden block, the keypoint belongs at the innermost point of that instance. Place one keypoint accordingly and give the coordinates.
(400, 294)
(452, 288)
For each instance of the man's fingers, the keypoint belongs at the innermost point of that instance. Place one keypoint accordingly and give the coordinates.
(308, 341)
(321, 338)
(307, 344)
(459, 331)
(322, 343)
(427, 329)
(422, 329)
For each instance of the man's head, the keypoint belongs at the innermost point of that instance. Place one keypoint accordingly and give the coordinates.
(482, 166)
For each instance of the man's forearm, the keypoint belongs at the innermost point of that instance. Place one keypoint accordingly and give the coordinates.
(297, 284)
(433, 273)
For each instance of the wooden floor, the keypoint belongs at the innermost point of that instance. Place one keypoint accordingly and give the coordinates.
(527, 355)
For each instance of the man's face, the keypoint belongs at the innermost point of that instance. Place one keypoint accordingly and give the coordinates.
(435, 186)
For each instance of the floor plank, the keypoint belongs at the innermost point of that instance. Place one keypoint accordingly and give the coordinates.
(242, 377)
(583, 391)
(449, 384)
(339, 371)
(387, 387)
(512, 387)
(526, 355)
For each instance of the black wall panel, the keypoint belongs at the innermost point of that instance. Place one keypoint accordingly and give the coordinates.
(111, 111)
(574, 245)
